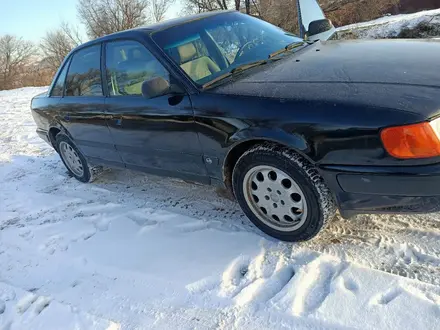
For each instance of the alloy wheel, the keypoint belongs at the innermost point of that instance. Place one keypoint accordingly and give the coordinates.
(275, 198)
(71, 158)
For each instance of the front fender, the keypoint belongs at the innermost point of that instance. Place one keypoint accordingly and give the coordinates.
(245, 139)
(279, 136)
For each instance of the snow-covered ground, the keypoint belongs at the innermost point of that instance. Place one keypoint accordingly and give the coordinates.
(390, 26)
(132, 251)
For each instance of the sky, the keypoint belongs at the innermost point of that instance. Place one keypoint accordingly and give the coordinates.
(30, 19)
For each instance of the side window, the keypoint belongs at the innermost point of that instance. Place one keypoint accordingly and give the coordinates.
(84, 77)
(129, 64)
(58, 87)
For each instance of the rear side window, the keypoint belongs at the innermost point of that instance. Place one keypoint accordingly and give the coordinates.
(84, 77)
(129, 64)
(58, 88)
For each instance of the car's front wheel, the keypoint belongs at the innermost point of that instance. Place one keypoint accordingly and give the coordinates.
(282, 194)
(74, 160)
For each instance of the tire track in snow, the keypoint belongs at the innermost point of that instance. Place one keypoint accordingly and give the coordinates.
(300, 282)
(22, 309)
(253, 282)
(398, 247)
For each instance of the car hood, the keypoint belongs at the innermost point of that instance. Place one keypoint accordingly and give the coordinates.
(402, 74)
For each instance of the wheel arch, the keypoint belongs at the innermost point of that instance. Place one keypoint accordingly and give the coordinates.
(245, 140)
(54, 130)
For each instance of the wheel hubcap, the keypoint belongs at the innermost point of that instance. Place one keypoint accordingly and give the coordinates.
(275, 198)
(71, 159)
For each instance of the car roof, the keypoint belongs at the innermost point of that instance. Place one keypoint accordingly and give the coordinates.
(183, 20)
(155, 27)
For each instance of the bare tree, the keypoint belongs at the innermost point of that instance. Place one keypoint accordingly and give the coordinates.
(56, 44)
(200, 6)
(251, 7)
(159, 8)
(15, 55)
(247, 6)
(282, 13)
(350, 11)
(256, 8)
(72, 33)
(36, 74)
(102, 17)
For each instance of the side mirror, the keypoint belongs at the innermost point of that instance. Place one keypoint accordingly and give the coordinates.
(319, 26)
(155, 87)
(322, 29)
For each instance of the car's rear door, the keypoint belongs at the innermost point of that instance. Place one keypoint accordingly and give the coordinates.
(82, 107)
(155, 135)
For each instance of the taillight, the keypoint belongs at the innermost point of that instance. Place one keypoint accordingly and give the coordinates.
(413, 141)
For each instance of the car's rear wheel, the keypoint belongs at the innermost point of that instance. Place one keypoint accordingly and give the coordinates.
(74, 160)
(282, 193)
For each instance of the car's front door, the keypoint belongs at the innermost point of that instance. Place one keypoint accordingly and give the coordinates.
(156, 135)
(82, 107)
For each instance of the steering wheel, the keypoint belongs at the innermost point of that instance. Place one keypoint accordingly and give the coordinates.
(243, 49)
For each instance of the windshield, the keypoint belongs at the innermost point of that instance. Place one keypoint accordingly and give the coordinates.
(211, 47)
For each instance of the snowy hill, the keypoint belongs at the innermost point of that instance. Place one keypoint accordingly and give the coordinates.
(391, 26)
(132, 251)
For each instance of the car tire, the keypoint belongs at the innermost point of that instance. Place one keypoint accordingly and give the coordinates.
(74, 160)
(282, 193)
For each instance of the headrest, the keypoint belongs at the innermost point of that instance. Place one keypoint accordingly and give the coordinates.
(137, 54)
(154, 87)
(187, 52)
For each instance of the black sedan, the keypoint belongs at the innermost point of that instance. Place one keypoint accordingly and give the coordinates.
(294, 128)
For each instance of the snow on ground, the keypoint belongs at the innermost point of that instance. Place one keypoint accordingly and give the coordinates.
(390, 26)
(132, 251)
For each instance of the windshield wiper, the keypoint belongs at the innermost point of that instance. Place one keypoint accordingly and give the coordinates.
(247, 66)
(235, 70)
(215, 80)
(289, 47)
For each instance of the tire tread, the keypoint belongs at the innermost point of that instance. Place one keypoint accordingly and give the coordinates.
(323, 194)
(91, 173)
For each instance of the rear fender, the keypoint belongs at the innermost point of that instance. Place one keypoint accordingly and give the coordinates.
(62, 130)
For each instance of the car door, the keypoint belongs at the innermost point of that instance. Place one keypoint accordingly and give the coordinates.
(155, 135)
(82, 107)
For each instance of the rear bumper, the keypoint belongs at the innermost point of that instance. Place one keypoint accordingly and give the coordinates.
(414, 189)
(44, 135)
